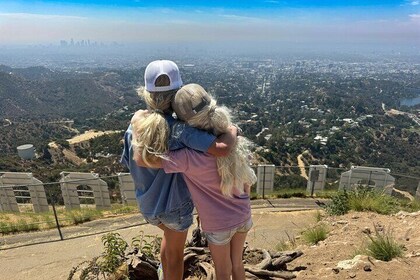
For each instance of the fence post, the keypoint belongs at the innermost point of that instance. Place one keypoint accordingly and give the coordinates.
(55, 216)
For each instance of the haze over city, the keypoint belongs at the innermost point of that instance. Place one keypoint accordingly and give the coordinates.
(385, 22)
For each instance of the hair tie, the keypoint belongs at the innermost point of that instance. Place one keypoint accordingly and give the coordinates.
(212, 108)
(158, 111)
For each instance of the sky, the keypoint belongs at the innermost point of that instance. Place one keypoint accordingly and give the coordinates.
(138, 21)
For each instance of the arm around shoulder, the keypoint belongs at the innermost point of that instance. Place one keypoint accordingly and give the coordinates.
(140, 162)
(223, 144)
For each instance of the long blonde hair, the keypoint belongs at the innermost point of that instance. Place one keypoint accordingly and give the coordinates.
(234, 170)
(150, 128)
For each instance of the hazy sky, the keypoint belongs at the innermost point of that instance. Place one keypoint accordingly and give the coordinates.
(48, 21)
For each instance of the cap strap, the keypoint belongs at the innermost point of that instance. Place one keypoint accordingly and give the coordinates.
(204, 102)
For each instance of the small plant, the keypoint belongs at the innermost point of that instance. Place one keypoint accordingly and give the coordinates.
(411, 206)
(318, 216)
(339, 204)
(362, 199)
(382, 246)
(367, 199)
(111, 264)
(22, 225)
(125, 209)
(149, 245)
(288, 244)
(113, 256)
(315, 234)
(84, 215)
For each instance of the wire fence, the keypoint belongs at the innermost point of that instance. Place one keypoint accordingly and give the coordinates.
(60, 213)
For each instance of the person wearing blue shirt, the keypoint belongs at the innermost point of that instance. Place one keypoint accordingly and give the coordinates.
(164, 199)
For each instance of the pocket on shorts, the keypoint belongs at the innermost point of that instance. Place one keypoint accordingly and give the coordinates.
(179, 219)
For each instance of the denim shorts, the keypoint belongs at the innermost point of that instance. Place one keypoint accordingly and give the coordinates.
(179, 219)
(224, 237)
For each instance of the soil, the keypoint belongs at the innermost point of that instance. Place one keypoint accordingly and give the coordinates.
(271, 229)
(348, 234)
(89, 135)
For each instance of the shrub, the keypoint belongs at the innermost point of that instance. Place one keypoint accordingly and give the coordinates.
(149, 245)
(125, 209)
(83, 215)
(367, 199)
(383, 246)
(289, 244)
(339, 204)
(22, 225)
(362, 199)
(113, 256)
(315, 234)
(111, 264)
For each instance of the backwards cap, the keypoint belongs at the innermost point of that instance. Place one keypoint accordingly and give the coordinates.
(158, 68)
(190, 100)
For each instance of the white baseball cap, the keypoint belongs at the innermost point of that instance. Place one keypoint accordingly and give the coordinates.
(158, 68)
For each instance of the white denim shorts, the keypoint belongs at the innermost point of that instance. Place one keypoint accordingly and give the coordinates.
(224, 237)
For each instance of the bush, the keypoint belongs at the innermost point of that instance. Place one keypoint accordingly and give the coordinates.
(366, 199)
(383, 246)
(339, 204)
(111, 263)
(362, 199)
(315, 234)
(113, 256)
(83, 215)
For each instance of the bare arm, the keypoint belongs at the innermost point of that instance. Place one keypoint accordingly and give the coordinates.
(223, 144)
(139, 160)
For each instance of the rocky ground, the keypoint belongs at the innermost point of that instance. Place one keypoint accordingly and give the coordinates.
(348, 234)
(333, 258)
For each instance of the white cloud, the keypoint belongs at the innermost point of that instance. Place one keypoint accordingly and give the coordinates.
(415, 16)
(415, 3)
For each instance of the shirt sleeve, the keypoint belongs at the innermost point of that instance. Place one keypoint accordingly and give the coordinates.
(177, 162)
(197, 139)
(125, 157)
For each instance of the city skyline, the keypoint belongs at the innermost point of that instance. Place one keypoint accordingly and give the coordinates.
(137, 21)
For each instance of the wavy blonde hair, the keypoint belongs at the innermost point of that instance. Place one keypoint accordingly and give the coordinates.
(234, 170)
(150, 128)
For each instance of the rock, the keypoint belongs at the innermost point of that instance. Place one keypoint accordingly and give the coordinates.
(354, 217)
(336, 270)
(367, 268)
(342, 222)
(413, 255)
(348, 264)
(367, 230)
(352, 275)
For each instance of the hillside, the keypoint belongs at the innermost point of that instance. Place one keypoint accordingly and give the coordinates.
(31, 97)
(335, 116)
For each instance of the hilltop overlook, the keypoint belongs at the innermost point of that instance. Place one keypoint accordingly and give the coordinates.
(326, 111)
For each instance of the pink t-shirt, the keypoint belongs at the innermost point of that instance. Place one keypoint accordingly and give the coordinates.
(217, 212)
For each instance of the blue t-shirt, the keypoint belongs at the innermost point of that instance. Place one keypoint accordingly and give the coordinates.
(156, 191)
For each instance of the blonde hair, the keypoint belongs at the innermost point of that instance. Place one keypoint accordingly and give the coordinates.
(234, 170)
(150, 129)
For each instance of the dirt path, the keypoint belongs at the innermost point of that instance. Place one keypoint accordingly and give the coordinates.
(54, 260)
(89, 135)
(301, 165)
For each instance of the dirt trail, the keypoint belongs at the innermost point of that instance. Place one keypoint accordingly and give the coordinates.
(89, 135)
(301, 165)
(55, 260)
